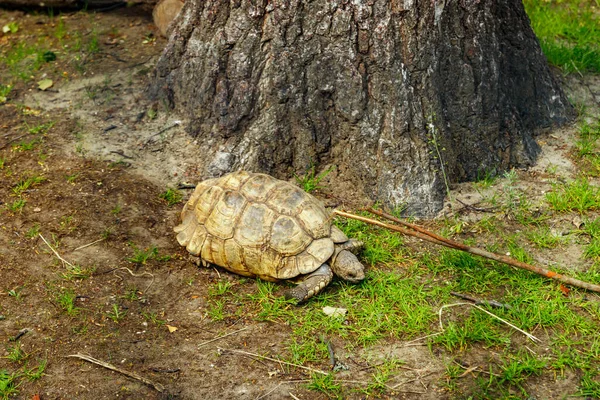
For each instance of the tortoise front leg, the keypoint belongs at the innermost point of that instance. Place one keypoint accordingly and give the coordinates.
(199, 261)
(311, 284)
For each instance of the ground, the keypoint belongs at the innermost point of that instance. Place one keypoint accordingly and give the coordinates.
(89, 175)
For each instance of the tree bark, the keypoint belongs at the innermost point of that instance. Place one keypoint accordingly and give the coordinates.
(74, 4)
(402, 97)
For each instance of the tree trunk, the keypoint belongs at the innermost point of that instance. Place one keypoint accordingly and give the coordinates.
(401, 97)
(75, 4)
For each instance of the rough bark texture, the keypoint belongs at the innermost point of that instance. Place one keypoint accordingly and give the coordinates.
(74, 4)
(384, 90)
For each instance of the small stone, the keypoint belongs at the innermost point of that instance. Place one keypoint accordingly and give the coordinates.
(334, 311)
(37, 209)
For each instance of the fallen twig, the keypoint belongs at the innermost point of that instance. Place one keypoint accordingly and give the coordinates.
(186, 186)
(475, 368)
(56, 253)
(222, 336)
(135, 275)
(120, 152)
(18, 335)
(529, 335)
(423, 234)
(492, 303)
(269, 392)
(157, 386)
(418, 378)
(407, 344)
(151, 138)
(12, 140)
(166, 371)
(318, 371)
(472, 207)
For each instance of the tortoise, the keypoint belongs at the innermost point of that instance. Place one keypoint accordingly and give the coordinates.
(257, 226)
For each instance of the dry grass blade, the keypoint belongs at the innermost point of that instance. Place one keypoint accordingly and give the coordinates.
(221, 337)
(160, 388)
(529, 335)
(56, 253)
(136, 276)
(89, 244)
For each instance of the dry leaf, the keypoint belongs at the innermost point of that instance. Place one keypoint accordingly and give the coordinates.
(172, 328)
(45, 84)
(565, 290)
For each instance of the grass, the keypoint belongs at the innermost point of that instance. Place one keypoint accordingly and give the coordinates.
(8, 384)
(578, 195)
(153, 317)
(544, 238)
(23, 60)
(115, 314)
(16, 292)
(171, 196)
(326, 384)
(309, 182)
(40, 129)
(11, 381)
(26, 184)
(141, 256)
(16, 354)
(66, 300)
(587, 148)
(568, 31)
(4, 92)
(76, 272)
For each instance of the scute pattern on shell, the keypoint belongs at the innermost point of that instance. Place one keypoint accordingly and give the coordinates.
(256, 225)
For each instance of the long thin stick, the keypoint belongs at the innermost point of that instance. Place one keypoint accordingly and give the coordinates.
(55, 252)
(318, 371)
(433, 238)
(160, 388)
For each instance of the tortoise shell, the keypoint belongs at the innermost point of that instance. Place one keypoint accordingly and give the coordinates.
(255, 225)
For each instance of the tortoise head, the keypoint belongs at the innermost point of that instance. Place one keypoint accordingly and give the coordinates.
(346, 266)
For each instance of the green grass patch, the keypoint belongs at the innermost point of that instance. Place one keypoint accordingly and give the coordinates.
(579, 195)
(171, 196)
(17, 205)
(9, 383)
(309, 182)
(141, 256)
(381, 245)
(587, 148)
(4, 92)
(66, 300)
(568, 31)
(23, 60)
(25, 184)
(544, 238)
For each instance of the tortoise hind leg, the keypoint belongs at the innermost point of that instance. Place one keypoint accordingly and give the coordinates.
(311, 284)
